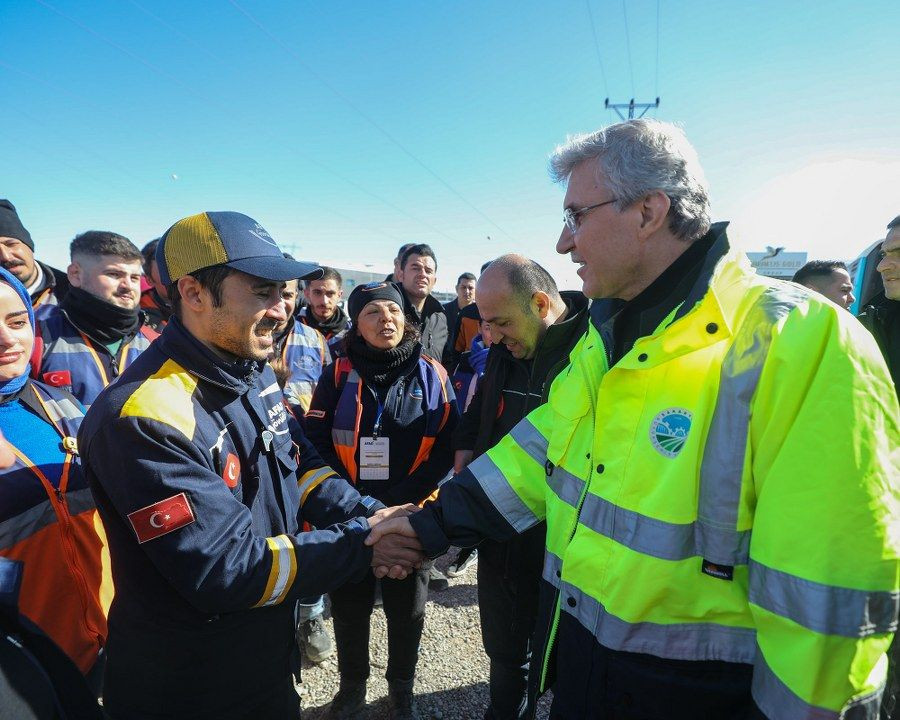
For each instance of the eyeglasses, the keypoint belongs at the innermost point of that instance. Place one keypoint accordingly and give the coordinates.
(569, 215)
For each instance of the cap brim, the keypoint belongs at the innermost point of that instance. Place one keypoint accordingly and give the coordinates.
(277, 268)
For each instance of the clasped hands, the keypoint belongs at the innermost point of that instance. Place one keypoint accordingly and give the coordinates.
(396, 550)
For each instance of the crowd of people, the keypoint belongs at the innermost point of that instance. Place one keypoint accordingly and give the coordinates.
(680, 484)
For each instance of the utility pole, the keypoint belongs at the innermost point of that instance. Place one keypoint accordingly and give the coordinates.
(631, 106)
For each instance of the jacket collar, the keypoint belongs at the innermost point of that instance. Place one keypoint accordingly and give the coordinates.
(236, 377)
(560, 334)
(605, 309)
(432, 305)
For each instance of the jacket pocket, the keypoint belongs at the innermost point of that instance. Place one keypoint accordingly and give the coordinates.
(568, 407)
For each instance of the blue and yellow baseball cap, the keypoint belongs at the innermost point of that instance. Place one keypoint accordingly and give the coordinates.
(226, 238)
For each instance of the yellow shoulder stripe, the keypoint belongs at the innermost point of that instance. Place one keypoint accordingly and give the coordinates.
(165, 396)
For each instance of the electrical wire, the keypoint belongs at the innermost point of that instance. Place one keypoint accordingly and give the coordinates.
(227, 111)
(184, 36)
(368, 118)
(657, 49)
(628, 45)
(597, 47)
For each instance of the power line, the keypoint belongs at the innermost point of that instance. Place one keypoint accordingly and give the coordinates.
(259, 178)
(368, 118)
(657, 49)
(628, 46)
(597, 46)
(184, 36)
(227, 111)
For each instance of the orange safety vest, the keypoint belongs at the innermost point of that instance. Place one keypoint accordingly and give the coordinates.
(67, 584)
(347, 414)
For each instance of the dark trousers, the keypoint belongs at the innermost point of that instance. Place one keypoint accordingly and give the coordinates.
(508, 587)
(593, 681)
(404, 608)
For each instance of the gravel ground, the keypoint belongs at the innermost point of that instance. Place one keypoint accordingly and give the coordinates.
(451, 678)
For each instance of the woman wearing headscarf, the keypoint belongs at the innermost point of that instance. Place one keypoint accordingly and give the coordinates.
(382, 417)
(48, 519)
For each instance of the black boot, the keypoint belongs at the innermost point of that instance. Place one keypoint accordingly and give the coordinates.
(401, 705)
(349, 701)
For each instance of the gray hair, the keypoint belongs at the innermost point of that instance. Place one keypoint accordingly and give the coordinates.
(637, 157)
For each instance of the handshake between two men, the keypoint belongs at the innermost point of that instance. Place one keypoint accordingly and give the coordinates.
(396, 550)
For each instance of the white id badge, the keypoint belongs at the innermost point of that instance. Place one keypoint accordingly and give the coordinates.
(374, 455)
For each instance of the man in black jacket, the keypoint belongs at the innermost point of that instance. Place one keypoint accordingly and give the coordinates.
(534, 328)
(882, 315)
(882, 318)
(417, 276)
(46, 285)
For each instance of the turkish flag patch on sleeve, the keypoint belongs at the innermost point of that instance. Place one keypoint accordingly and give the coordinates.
(57, 378)
(161, 518)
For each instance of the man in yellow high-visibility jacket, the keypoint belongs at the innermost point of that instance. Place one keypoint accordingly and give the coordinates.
(718, 469)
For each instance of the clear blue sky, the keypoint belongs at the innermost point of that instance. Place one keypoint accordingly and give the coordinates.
(349, 128)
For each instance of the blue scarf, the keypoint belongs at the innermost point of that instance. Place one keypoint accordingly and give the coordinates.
(17, 383)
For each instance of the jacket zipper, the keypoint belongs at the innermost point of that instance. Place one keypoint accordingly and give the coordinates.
(65, 520)
(551, 640)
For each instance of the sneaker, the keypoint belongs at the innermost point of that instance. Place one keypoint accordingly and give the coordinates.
(349, 702)
(437, 581)
(315, 640)
(465, 560)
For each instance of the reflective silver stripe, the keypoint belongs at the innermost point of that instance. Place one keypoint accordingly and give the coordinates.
(283, 548)
(61, 409)
(552, 568)
(722, 467)
(657, 538)
(31, 521)
(306, 482)
(78, 501)
(823, 608)
(346, 438)
(26, 524)
(779, 702)
(530, 440)
(67, 344)
(501, 494)
(676, 641)
(568, 487)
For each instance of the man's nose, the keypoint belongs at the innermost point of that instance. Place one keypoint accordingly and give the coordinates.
(5, 254)
(565, 243)
(278, 311)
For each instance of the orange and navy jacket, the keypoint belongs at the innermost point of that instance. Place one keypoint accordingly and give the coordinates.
(48, 521)
(200, 479)
(334, 339)
(51, 292)
(305, 353)
(72, 361)
(156, 311)
(418, 414)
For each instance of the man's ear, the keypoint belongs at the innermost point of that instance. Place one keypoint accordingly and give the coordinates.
(540, 301)
(193, 294)
(75, 273)
(654, 209)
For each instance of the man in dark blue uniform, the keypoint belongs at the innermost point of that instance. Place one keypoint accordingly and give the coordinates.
(202, 481)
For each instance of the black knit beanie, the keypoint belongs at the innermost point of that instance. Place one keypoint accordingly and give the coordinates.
(362, 295)
(11, 226)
